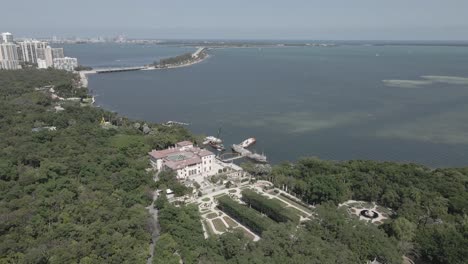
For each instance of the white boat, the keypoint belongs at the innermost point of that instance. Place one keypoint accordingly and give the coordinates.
(212, 140)
(248, 142)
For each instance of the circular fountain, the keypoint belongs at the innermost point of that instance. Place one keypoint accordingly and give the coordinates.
(371, 214)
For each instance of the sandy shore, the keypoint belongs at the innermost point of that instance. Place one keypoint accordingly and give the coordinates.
(84, 78)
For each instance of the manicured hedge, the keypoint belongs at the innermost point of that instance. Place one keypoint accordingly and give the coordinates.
(272, 208)
(245, 215)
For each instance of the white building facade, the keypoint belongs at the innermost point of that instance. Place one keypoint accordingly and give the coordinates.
(185, 159)
(68, 64)
(48, 55)
(9, 59)
(28, 50)
(42, 64)
(6, 37)
(57, 53)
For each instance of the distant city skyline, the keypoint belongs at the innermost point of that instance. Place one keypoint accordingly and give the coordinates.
(242, 19)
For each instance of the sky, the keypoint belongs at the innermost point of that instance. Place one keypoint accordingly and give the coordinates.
(239, 19)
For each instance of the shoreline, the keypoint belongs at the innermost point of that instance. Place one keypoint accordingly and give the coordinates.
(84, 74)
(177, 66)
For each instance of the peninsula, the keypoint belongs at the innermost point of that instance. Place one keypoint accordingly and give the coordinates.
(183, 60)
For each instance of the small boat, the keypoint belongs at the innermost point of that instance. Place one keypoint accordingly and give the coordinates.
(218, 147)
(248, 142)
(212, 140)
(215, 142)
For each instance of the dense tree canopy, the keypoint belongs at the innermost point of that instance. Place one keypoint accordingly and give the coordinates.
(76, 194)
(429, 204)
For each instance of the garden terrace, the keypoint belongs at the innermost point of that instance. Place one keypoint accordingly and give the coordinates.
(244, 215)
(272, 208)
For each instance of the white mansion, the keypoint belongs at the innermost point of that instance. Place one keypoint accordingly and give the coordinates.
(185, 159)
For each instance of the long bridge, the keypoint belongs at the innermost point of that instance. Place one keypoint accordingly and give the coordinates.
(121, 69)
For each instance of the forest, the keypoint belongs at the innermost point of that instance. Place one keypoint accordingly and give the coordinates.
(181, 59)
(430, 205)
(76, 194)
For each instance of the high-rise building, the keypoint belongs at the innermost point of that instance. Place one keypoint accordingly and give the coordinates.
(28, 50)
(42, 64)
(47, 56)
(7, 37)
(68, 64)
(9, 56)
(57, 53)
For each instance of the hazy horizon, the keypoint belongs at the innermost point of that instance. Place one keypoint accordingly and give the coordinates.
(210, 19)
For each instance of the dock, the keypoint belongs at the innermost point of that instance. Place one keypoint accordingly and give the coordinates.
(235, 156)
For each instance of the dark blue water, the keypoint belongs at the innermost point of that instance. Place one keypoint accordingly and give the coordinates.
(305, 101)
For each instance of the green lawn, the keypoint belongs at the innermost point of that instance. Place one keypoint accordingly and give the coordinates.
(229, 221)
(298, 212)
(292, 202)
(208, 228)
(211, 215)
(219, 225)
(284, 204)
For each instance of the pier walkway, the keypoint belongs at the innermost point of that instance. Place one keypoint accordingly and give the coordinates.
(230, 157)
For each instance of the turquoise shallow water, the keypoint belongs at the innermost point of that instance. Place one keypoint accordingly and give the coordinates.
(303, 101)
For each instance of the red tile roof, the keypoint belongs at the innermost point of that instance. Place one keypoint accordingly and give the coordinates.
(177, 165)
(184, 144)
(159, 154)
(204, 153)
(176, 159)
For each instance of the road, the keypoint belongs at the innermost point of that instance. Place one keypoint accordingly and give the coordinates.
(155, 227)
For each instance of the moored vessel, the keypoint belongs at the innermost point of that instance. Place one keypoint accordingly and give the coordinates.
(248, 142)
(212, 140)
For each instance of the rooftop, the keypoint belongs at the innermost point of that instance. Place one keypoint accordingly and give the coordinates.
(180, 156)
(184, 144)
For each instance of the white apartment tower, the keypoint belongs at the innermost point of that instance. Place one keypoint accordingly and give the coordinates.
(46, 56)
(28, 50)
(9, 56)
(6, 37)
(57, 53)
(68, 64)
